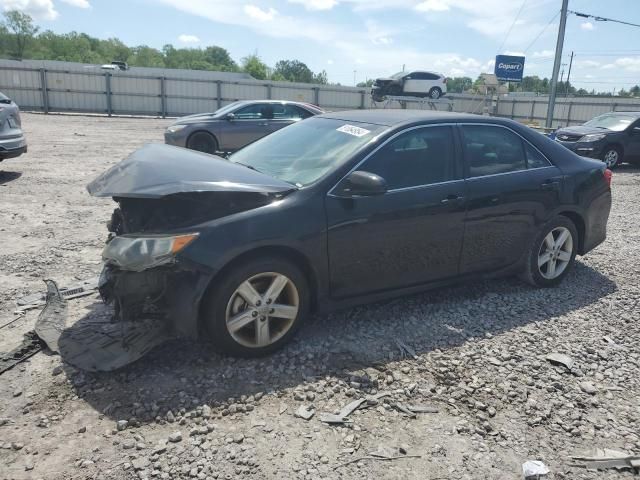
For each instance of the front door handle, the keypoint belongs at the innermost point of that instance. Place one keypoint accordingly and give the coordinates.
(451, 199)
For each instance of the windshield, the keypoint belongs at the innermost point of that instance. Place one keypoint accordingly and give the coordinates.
(305, 151)
(617, 123)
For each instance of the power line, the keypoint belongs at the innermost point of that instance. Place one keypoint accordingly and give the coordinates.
(511, 27)
(541, 32)
(602, 19)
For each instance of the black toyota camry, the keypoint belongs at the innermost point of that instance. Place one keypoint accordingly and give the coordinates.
(341, 209)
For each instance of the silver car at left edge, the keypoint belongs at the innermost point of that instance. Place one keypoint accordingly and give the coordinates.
(12, 141)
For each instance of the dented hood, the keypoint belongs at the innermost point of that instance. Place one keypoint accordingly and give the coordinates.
(156, 170)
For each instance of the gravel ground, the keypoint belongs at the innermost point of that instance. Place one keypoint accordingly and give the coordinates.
(493, 400)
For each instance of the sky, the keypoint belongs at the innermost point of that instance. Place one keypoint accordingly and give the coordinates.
(360, 39)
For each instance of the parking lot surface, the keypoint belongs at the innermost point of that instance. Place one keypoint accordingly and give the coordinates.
(471, 359)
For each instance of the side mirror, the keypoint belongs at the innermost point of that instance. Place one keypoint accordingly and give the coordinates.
(635, 130)
(230, 117)
(361, 183)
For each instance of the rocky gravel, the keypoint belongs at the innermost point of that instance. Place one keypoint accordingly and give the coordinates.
(465, 382)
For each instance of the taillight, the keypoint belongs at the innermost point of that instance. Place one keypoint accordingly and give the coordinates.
(444, 80)
(608, 174)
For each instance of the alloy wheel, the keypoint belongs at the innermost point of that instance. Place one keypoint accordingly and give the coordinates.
(611, 158)
(555, 253)
(262, 309)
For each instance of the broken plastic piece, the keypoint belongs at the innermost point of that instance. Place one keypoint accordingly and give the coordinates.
(532, 469)
(560, 359)
(607, 458)
(53, 317)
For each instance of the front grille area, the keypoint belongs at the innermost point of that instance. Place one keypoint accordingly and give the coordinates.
(568, 137)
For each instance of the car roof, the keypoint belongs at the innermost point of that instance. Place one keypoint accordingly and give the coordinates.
(290, 102)
(396, 117)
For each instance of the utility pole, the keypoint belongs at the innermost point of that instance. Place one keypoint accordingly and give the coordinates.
(561, 74)
(566, 87)
(556, 63)
(354, 77)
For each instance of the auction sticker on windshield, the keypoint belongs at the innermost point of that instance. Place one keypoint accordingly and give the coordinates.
(352, 130)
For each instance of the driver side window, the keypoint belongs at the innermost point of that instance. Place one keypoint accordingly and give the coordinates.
(419, 157)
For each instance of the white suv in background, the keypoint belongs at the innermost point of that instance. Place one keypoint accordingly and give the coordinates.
(411, 84)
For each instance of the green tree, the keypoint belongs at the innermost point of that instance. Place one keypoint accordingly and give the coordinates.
(21, 26)
(635, 91)
(367, 84)
(294, 71)
(459, 84)
(321, 78)
(220, 58)
(144, 56)
(255, 67)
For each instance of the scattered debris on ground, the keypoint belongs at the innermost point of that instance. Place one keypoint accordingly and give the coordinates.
(481, 394)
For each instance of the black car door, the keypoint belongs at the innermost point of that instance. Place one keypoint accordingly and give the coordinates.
(511, 187)
(410, 235)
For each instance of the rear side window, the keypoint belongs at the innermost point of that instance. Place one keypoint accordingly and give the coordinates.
(419, 157)
(492, 150)
(534, 158)
(288, 112)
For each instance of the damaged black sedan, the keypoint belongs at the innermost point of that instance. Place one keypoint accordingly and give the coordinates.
(336, 210)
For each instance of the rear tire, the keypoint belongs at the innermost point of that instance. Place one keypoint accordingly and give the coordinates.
(256, 326)
(202, 142)
(612, 156)
(552, 253)
(435, 93)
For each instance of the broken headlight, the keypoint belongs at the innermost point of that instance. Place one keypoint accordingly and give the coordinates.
(141, 253)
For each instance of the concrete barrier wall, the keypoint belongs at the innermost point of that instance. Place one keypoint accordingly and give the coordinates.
(77, 88)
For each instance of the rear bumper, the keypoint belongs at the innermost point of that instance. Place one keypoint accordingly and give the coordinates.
(171, 293)
(12, 147)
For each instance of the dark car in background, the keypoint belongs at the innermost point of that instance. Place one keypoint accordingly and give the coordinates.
(613, 137)
(236, 125)
(341, 209)
(12, 141)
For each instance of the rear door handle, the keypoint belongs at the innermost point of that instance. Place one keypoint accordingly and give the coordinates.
(551, 184)
(451, 199)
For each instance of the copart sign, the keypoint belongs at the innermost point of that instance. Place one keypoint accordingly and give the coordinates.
(509, 68)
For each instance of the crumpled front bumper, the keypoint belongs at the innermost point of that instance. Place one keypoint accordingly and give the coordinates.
(170, 292)
(584, 149)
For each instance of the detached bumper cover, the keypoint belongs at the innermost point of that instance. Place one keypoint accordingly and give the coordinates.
(169, 293)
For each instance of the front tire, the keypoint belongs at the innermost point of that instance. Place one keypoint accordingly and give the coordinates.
(612, 156)
(256, 307)
(552, 253)
(202, 142)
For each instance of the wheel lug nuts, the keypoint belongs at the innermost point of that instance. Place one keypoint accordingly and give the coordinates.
(262, 319)
(268, 301)
(271, 310)
(258, 303)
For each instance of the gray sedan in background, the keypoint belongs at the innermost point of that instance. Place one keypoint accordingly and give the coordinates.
(236, 125)
(12, 141)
